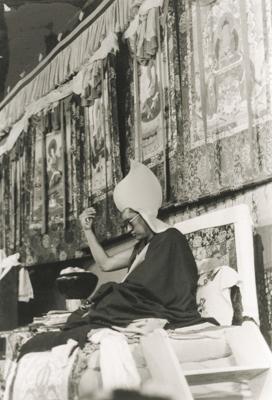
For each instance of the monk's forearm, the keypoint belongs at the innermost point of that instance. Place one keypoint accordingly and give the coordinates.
(102, 259)
(98, 253)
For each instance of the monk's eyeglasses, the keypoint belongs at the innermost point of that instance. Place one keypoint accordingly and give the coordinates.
(129, 223)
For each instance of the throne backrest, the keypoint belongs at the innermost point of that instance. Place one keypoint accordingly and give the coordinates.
(226, 234)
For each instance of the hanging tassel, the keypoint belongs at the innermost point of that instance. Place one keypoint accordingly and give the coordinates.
(31, 170)
(82, 150)
(104, 133)
(24, 173)
(87, 156)
(13, 173)
(18, 198)
(201, 69)
(2, 209)
(137, 112)
(73, 160)
(68, 133)
(162, 105)
(6, 194)
(44, 185)
(64, 163)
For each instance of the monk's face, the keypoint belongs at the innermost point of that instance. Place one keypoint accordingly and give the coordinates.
(136, 225)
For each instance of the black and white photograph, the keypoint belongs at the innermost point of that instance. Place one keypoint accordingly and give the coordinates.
(135, 199)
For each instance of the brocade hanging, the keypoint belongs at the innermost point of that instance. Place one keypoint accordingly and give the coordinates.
(68, 160)
(152, 140)
(220, 60)
(103, 162)
(2, 212)
(196, 109)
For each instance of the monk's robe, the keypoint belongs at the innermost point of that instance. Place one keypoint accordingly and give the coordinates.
(162, 286)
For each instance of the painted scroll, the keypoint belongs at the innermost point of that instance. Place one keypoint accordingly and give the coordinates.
(54, 174)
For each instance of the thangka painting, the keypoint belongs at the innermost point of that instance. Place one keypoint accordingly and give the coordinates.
(228, 70)
(54, 174)
(102, 150)
(150, 125)
(150, 111)
(220, 57)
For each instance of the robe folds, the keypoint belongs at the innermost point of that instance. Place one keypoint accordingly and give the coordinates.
(162, 286)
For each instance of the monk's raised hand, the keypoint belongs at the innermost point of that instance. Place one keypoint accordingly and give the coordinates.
(87, 217)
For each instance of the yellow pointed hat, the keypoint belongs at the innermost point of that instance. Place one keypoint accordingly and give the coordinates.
(141, 191)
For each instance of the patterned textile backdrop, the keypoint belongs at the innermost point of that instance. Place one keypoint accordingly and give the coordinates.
(103, 166)
(257, 199)
(2, 223)
(147, 92)
(66, 161)
(218, 243)
(220, 59)
(189, 94)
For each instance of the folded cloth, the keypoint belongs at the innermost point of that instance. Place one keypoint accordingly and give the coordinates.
(142, 326)
(25, 290)
(6, 263)
(198, 331)
(199, 343)
(47, 374)
(213, 293)
(118, 368)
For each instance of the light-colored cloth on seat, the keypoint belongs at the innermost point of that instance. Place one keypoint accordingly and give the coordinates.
(6, 263)
(117, 366)
(142, 326)
(213, 294)
(25, 290)
(199, 343)
(43, 375)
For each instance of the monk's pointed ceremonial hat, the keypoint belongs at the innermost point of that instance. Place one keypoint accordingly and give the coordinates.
(141, 191)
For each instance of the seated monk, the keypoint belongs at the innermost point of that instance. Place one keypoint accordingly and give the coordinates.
(162, 274)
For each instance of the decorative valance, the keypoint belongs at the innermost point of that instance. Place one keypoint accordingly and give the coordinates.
(76, 85)
(79, 53)
(66, 59)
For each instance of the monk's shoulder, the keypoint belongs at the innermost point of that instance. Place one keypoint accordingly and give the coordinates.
(170, 235)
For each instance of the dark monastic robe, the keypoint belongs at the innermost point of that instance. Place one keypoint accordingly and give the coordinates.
(162, 286)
